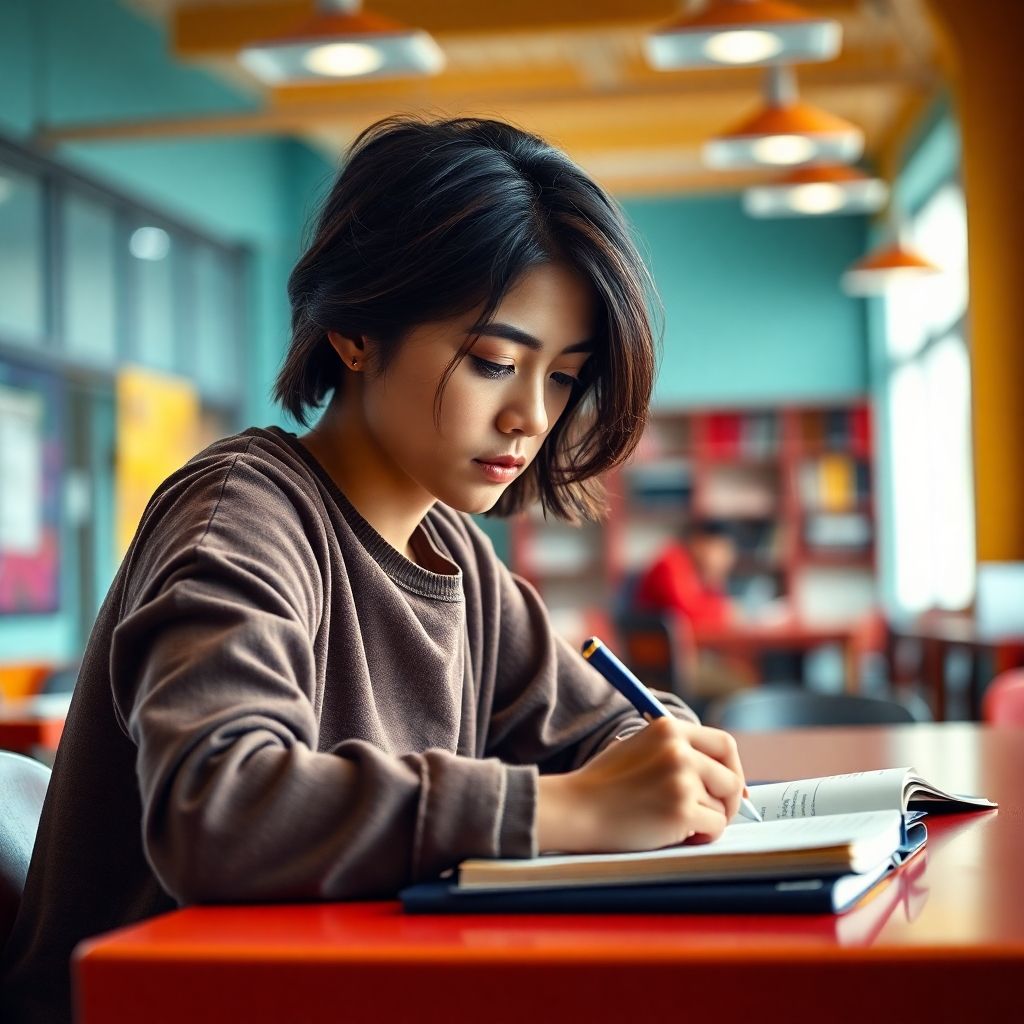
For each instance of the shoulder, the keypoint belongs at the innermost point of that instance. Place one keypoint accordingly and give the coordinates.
(247, 501)
(254, 468)
(246, 491)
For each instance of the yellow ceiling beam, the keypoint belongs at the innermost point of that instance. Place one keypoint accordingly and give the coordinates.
(207, 30)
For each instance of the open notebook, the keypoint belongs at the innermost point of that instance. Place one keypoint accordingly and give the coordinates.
(835, 844)
(900, 789)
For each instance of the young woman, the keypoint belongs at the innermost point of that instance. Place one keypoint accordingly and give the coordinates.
(312, 678)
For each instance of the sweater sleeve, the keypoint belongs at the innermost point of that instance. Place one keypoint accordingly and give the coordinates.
(214, 679)
(551, 708)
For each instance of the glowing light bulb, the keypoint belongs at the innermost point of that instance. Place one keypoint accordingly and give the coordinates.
(816, 197)
(149, 243)
(343, 60)
(743, 47)
(783, 149)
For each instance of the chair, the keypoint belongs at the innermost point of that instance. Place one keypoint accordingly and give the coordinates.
(767, 708)
(654, 645)
(23, 783)
(1003, 700)
(61, 679)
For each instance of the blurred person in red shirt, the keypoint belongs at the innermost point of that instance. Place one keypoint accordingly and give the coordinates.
(690, 578)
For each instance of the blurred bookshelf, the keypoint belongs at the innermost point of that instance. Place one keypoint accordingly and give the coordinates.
(794, 482)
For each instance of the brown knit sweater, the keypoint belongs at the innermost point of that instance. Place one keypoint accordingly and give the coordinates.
(275, 704)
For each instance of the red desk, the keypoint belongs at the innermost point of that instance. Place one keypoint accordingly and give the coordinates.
(748, 640)
(32, 725)
(941, 941)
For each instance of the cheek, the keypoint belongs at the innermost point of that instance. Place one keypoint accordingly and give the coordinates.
(468, 403)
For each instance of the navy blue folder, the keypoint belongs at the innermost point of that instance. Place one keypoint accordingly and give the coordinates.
(825, 895)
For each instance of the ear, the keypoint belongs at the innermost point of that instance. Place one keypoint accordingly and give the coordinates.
(351, 351)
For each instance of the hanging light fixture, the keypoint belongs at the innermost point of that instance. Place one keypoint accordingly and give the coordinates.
(817, 191)
(743, 32)
(786, 131)
(342, 41)
(893, 265)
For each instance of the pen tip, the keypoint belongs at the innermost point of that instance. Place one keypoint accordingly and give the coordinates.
(590, 645)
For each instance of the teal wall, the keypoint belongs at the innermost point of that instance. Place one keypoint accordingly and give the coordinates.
(753, 308)
(76, 61)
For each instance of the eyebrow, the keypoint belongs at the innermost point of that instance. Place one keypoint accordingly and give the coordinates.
(520, 337)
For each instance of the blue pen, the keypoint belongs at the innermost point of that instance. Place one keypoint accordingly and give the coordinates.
(638, 695)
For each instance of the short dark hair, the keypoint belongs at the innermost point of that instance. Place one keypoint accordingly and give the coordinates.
(431, 218)
(707, 526)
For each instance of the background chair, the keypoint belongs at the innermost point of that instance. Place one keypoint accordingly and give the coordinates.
(23, 783)
(655, 646)
(768, 708)
(1003, 700)
(61, 679)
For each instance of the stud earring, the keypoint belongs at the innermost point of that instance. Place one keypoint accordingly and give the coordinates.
(355, 363)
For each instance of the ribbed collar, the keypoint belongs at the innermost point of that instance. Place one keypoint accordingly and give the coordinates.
(406, 573)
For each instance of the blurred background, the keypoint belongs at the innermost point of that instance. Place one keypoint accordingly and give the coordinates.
(828, 498)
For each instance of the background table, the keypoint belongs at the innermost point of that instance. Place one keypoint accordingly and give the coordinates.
(936, 635)
(33, 725)
(943, 940)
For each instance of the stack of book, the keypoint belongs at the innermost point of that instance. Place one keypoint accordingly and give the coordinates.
(823, 845)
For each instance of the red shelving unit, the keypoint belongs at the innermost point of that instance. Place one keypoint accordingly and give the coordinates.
(794, 481)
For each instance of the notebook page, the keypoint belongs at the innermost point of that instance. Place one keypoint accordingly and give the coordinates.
(833, 794)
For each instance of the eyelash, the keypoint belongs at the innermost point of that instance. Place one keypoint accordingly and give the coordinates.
(494, 371)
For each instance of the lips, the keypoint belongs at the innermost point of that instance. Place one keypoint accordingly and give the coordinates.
(500, 469)
(509, 461)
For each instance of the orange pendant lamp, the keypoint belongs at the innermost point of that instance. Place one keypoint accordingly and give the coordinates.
(728, 33)
(785, 131)
(895, 264)
(341, 41)
(817, 191)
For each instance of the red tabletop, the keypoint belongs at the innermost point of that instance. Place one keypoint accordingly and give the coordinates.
(33, 723)
(943, 938)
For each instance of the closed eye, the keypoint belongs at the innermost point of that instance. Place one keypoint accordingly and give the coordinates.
(493, 370)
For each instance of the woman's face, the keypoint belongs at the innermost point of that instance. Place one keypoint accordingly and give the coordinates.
(500, 402)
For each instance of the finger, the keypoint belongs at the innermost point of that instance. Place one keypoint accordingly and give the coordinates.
(706, 822)
(718, 744)
(719, 781)
(714, 804)
(722, 749)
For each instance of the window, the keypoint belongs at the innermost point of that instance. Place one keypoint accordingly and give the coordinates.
(22, 295)
(929, 395)
(215, 287)
(88, 260)
(154, 320)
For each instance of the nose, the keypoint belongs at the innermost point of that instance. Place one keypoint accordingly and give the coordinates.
(525, 412)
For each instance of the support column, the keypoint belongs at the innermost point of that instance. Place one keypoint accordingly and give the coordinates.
(983, 41)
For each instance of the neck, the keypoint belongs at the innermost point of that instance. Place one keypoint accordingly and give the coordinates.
(391, 502)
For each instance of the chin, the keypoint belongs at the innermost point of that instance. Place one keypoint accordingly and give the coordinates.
(473, 504)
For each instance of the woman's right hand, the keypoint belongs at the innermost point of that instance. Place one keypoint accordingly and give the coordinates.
(667, 783)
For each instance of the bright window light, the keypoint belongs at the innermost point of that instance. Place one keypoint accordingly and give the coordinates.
(948, 383)
(905, 327)
(908, 406)
(940, 234)
(929, 399)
